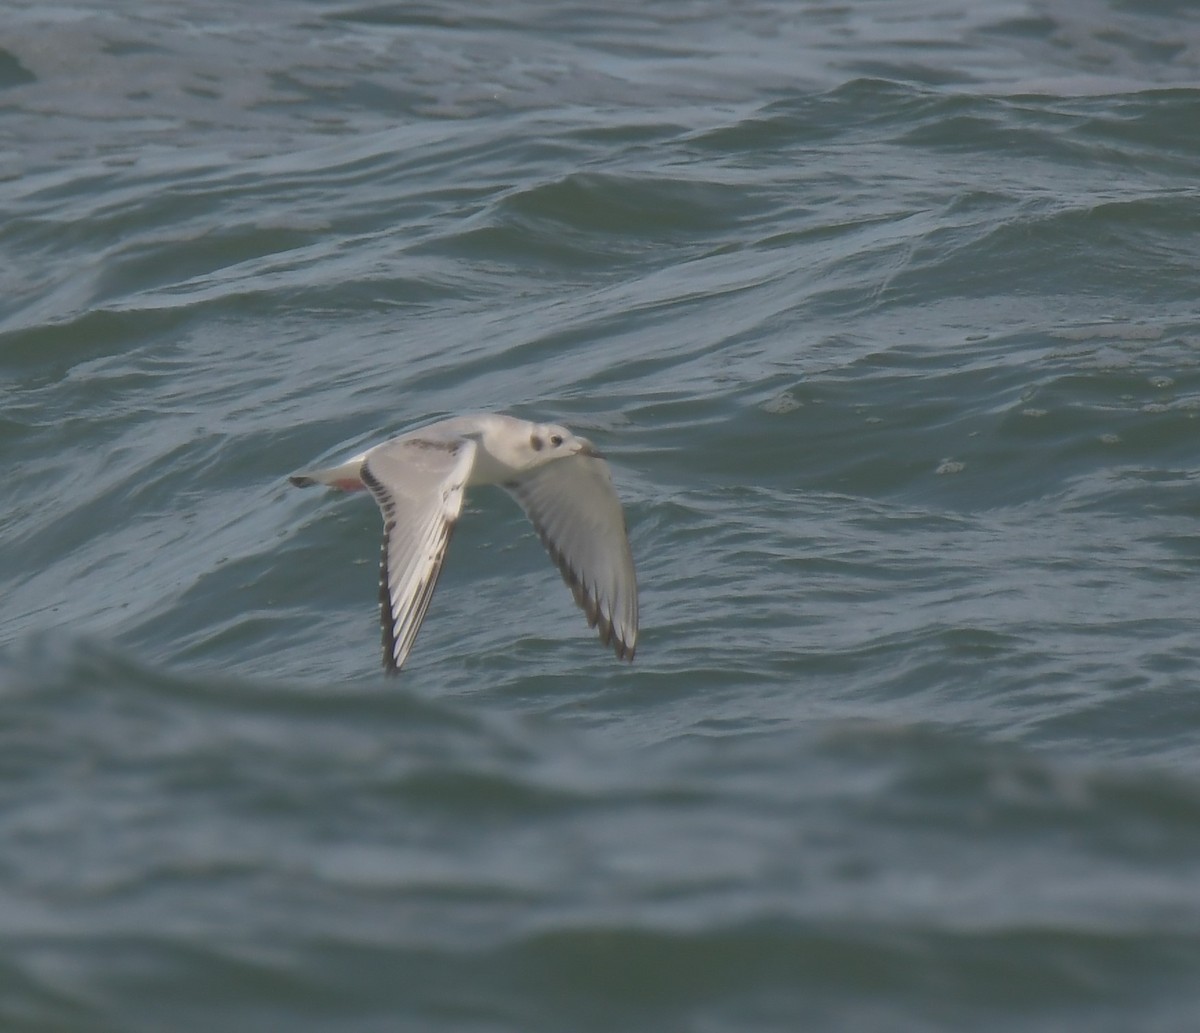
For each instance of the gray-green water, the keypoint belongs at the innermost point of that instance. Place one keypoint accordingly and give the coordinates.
(886, 314)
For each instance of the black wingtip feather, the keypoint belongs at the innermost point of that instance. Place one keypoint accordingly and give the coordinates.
(590, 607)
(385, 609)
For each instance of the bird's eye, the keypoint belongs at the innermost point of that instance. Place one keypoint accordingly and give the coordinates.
(535, 442)
(556, 440)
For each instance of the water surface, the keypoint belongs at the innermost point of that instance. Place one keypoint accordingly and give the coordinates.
(885, 315)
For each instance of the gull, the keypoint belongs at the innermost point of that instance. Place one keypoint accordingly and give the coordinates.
(559, 479)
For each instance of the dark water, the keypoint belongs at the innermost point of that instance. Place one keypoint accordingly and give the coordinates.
(885, 314)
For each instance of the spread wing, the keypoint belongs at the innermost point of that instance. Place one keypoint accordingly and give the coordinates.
(578, 517)
(418, 484)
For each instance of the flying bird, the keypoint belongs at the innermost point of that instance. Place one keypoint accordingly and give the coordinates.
(559, 479)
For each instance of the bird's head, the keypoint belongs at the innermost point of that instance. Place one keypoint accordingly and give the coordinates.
(548, 441)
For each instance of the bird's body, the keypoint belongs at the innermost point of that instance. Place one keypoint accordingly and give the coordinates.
(563, 484)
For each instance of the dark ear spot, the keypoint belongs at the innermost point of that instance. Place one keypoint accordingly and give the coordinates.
(535, 442)
(556, 440)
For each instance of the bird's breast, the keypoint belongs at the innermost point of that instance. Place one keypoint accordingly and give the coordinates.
(490, 468)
